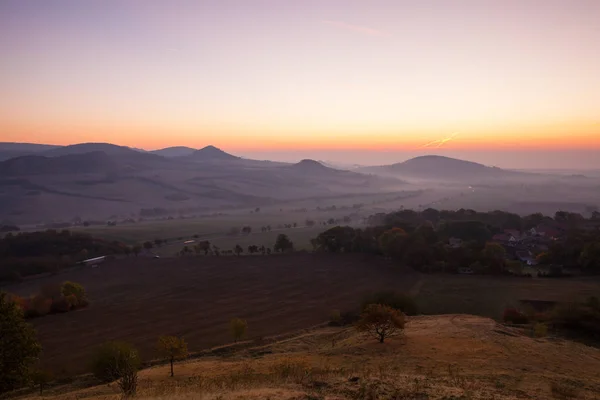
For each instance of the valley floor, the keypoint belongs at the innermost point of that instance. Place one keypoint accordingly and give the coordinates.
(438, 357)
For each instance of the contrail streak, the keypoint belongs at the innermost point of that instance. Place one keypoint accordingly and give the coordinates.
(440, 142)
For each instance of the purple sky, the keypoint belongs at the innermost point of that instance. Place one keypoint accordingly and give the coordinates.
(514, 82)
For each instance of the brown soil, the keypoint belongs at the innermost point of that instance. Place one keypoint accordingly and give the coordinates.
(138, 299)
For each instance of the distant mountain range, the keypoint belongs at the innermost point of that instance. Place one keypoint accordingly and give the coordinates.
(12, 150)
(96, 180)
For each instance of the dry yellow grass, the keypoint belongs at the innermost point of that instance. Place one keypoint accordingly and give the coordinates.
(439, 357)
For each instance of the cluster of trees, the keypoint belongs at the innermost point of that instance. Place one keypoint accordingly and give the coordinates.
(52, 298)
(30, 253)
(423, 248)
(420, 240)
(577, 249)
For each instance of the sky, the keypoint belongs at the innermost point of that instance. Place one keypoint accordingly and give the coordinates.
(512, 82)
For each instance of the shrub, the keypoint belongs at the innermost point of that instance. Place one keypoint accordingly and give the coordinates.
(398, 301)
(238, 328)
(39, 306)
(335, 318)
(73, 289)
(117, 361)
(540, 330)
(381, 321)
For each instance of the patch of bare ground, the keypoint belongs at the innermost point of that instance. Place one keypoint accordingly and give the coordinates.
(137, 299)
(446, 357)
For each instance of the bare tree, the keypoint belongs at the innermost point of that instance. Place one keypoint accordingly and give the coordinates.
(381, 321)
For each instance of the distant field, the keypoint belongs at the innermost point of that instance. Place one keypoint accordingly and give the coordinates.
(300, 236)
(489, 295)
(213, 226)
(138, 299)
(219, 225)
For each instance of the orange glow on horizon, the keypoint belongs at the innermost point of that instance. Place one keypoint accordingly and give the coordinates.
(570, 136)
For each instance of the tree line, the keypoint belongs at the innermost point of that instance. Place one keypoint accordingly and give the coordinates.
(51, 299)
(421, 240)
(282, 244)
(30, 253)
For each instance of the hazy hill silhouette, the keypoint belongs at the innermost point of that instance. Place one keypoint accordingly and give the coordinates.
(10, 150)
(433, 167)
(81, 148)
(211, 153)
(312, 166)
(96, 161)
(175, 151)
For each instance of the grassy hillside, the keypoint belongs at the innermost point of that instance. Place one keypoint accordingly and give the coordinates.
(439, 357)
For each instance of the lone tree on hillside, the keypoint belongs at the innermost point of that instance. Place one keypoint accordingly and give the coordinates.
(381, 321)
(118, 361)
(41, 378)
(283, 243)
(172, 348)
(18, 346)
(238, 328)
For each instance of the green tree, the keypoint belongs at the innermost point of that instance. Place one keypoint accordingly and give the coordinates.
(337, 239)
(72, 288)
(392, 242)
(172, 348)
(238, 328)
(283, 243)
(381, 321)
(18, 346)
(118, 361)
(589, 258)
